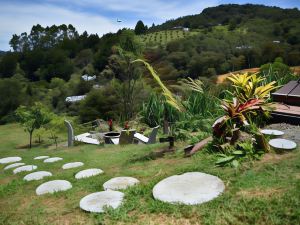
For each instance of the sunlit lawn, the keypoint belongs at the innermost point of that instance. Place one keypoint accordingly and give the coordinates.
(266, 192)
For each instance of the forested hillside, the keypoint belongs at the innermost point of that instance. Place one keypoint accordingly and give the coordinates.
(47, 63)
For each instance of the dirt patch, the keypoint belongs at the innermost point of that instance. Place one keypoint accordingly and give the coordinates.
(162, 219)
(260, 193)
(274, 158)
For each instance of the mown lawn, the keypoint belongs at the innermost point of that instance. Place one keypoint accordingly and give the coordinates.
(264, 192)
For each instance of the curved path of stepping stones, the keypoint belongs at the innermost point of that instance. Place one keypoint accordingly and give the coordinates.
(189, 188)
(10, 160)
(96, 202)
(72, 165)
(37, 175)
(120, 183)
(25, 168)
(88, 173)
(14, 165)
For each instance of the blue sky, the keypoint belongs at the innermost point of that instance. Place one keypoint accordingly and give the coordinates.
(100, 16)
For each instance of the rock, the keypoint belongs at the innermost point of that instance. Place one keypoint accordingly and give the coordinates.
(72, 165)
(97, 202)
(272, 132)
(41, 157)
(188, 189)
(88, 173)
(13, 165)
(24, 168)
(282, 144)
(10, 160)
(37, 175)
(53, 186)
(119, 183)
(53, 159)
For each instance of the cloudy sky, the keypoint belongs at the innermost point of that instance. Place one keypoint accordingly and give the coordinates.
(100, 16)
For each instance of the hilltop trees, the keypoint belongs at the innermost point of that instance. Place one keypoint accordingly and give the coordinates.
(140, 28)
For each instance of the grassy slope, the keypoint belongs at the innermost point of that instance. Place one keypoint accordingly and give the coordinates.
(163, 37)
(266, 192)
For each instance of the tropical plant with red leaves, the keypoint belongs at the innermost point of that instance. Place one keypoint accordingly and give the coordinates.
(250, 98)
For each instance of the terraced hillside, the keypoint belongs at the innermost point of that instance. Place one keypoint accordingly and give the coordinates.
(163, 37)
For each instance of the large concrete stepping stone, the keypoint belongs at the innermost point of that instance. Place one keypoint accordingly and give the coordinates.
(120, 183)
(88, 173)
(37, 175)
(25, 168)
(97, 202)
(189, 188)
(53, 159)
(72, 165)
(41, 157)
(272, 132)
(53, 186)
(13, 165)
(10, 160)
(282, 144)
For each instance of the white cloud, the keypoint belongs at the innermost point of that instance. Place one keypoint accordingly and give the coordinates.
(16, 19)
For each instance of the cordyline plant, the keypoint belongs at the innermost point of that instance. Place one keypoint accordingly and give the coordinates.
(250, 98)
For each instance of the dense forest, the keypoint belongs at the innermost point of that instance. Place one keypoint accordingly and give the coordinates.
(47, 64)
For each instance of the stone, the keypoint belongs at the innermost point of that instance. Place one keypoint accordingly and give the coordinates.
(13, 165)
(70, 133)
(37, 175)
(42, 157)
(88, 173)
(53, 186)
(282, 144)
(24, 168)
(120, 183)
(10, 160)
(53, 159)
(98, 201)
(72, 165)
(189, 188)
(272, 132)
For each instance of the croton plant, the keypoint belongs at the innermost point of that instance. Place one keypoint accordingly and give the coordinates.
(249, 98)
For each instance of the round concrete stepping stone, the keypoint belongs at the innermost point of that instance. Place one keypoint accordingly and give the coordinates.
(10, 160)
(280, 143)
(119, 183)
(72, 165)
(189, 188)
(53, 186)
(37, 175)
(42, 157)
(13, 165)
(272, 132)
(53, 159)
(96, 202)
(24, 168)
(88, 173)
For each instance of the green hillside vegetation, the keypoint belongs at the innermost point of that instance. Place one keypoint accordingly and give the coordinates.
(47, 63)
(166, 36)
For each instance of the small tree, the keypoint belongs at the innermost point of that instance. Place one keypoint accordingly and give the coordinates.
(32, 118)
(54, 127)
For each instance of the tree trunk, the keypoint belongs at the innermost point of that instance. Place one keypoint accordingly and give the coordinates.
(30, 138)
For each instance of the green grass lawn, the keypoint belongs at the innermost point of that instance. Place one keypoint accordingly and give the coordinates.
(264, 192)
